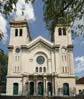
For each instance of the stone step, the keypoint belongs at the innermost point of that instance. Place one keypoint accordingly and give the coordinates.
(39, 97)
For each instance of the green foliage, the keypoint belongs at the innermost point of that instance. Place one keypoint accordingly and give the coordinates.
(62, 12)
(3, 70)
(55, 11)
(1, 36)
(7, 6)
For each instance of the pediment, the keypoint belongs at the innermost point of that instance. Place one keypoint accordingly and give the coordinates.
(39, 42)
(39, 45)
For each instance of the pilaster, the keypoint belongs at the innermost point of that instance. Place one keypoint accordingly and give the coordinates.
(35, 87)
(45, 86)
(53, 86)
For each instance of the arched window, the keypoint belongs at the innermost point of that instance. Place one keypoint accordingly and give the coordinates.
(36, 69)
(16, 32)
(44, 69)
(59, 31)
(21, 32)
(66, 89)
(15, 88)
(64, 31)
(31, 88)
(40, 69)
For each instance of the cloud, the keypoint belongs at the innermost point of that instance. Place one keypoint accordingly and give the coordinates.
(27, 8)
(79, 64)
(21, 5)
(3, 30)
(82, 43)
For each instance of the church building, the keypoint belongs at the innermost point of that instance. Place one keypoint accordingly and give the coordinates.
(39, 67)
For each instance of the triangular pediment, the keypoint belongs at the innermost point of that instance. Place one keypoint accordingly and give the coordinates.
(40, 41)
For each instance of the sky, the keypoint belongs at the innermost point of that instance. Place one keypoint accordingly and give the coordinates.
(37, 28)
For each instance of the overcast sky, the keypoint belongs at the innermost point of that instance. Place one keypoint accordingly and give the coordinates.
(37, 27)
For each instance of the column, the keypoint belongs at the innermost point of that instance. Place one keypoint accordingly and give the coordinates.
(27, 86)
(35, 87)
(45, 86)
(53, 87)
(70, 61)
(52, 68)
(56, 86)
(23, 86)
(57, 62)
(28, 89)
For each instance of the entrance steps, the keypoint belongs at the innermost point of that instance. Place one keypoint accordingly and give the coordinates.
(39, 97)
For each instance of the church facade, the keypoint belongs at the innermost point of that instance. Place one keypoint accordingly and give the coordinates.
(39, 67)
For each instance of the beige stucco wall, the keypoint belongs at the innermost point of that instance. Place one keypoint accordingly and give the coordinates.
(10, 81)
(18, 40)
(71, 81)
(29, 61)
(26, 63)
(63, 40)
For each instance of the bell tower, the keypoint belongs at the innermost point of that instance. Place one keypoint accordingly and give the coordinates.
(19, 32)
(19, 36)
(62, 37)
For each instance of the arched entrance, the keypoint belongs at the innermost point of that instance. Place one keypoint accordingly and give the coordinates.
(49, 88)
(40, 88)
(31, 88)
(15, 89)
(66, 89)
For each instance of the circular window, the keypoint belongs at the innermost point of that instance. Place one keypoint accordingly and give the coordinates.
(63, 50)
(40, 59)
(17, 50)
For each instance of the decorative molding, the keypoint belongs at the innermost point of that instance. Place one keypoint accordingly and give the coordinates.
(70, 47)
(14, 76)
(10, 47)
(31, 60)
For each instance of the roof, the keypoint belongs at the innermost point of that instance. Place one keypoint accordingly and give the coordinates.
(38, 40)
(19, 18)
(80, 81)
(20, 21)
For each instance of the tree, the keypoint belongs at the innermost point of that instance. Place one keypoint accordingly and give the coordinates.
(62, 12)
(3, 70)
(6, 6)
(55, 12)
(9, 8)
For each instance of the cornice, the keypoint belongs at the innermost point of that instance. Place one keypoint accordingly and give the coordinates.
(66, 76)
(70, 46)
(14, 76)
(10, 47)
